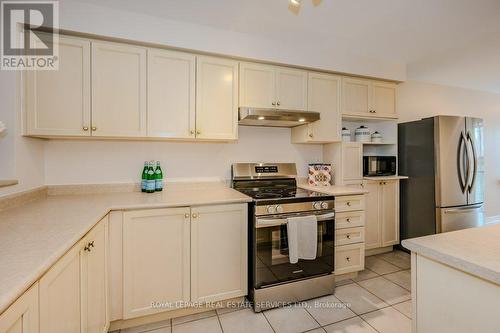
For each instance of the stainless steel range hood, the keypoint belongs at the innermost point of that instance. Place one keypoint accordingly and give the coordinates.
(275, 118)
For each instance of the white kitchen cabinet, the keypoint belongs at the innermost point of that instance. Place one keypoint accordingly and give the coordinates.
(58, 101)
(382, 213)
(291, 89)
(218, 252)
(216, 98)
(368, 98)
(352, 162)
(94, 279)
(22, 316)
(156, 256)
(73, 293)
(257, 85)
(266, 86)
(118, 90)
(60, 297)
(324, 97)
(171, 94)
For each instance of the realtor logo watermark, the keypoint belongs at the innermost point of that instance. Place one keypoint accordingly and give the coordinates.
(22, 46)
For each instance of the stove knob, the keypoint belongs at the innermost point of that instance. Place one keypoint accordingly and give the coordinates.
(279, 209)
(324, 205)
(271, 209)
(317, 205)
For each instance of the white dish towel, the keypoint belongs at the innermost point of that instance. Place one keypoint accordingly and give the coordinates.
(302, 238)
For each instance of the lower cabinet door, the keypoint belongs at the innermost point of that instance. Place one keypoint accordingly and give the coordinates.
(156, 275)
(22, 316)
(218, 252)
(60, 302)
(390, 213)
(373, 237)
(94, 280)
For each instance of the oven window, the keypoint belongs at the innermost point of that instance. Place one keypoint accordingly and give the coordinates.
(272, 262)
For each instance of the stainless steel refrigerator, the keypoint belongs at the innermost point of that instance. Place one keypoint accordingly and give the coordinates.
(444, 159)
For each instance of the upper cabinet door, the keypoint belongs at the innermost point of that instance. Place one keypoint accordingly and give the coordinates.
(58, 101)
(291, 89)
(384, 98)
(324, 97)
(216, 99)
(118, 90)
(356, 96)
(171, 94)
(257, 85)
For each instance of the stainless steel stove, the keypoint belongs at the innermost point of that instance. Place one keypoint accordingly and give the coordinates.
(273, 280)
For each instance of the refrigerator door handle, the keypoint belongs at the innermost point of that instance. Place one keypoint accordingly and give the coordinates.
(460, 210)
(475, 162)
(463, 175)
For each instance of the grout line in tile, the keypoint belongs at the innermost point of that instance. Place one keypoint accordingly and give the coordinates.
(264, 314)
(392, 306)
(220, 323)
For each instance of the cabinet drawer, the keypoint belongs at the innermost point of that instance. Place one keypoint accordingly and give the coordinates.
(350, 203)
(349, 220)
(349, 236)
(349, 258)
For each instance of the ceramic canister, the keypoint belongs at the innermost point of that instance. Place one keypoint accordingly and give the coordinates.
(363, 134)
(346, 134)
(376, 137)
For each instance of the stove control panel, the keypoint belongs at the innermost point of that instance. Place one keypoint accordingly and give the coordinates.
(294, 207)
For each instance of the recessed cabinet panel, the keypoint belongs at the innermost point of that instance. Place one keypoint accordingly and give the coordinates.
(94, 280)
(216, 99)
(218, 252)
(356, 96)
(22, 316)
(60, 300)
(291, 89)
(58, 101)
(390, 213)
(373, 237)
(352, 162)
(257, 85)
(384, 98)
(118, 90)
(171, 94)
(155, 260)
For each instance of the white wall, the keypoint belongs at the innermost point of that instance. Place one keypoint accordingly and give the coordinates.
(418, 100)
(80, 162)
(20, 158)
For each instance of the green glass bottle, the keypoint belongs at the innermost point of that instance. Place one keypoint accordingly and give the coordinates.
(158, 177)
(150, 181)
(144, 177)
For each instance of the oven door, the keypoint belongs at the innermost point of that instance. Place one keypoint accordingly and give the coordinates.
(272, 264)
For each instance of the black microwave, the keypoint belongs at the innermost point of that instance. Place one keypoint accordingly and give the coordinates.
(379, 166)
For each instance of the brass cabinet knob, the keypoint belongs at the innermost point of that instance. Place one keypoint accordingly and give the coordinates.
(311, 135)
(194, 215)
(278, 103)
(198, 132)
(273, 103)
(85, 128)
(186, 215)
(192, 132)
(348, 236)
(348, 259)
(348, 203)
(91, 244)
(94, 128)
(348, 220)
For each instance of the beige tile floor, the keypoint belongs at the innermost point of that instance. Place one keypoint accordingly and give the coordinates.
(377, 301)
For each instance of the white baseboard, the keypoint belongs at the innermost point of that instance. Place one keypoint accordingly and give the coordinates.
(493, 219)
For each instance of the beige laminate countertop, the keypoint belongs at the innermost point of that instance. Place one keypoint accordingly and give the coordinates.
(333, 189)
(475, 251)
(35, 235)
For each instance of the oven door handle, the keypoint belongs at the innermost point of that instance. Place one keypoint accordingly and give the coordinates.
(266, 223)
